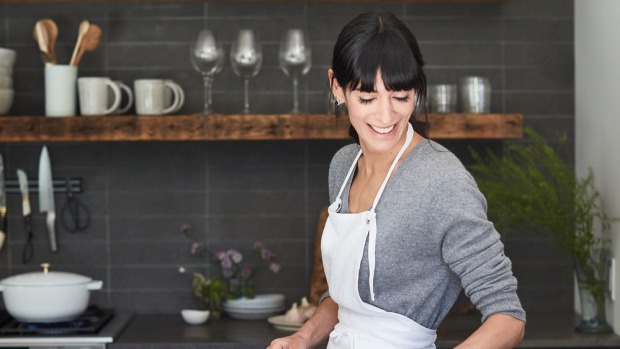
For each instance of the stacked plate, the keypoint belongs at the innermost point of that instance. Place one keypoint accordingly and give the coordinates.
(7, 60)
(258, 308)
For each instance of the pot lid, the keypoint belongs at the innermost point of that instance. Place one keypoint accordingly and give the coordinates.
(45, 278)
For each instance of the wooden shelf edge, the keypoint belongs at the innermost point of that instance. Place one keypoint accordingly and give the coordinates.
(235, 127)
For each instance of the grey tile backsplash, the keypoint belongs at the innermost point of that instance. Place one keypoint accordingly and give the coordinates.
(233, 193)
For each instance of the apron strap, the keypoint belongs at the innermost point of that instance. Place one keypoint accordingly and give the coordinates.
(400, 153)
(346, 180)
(372, 233)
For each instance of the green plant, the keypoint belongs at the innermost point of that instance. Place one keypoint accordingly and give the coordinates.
(211, 292)
(531, 187)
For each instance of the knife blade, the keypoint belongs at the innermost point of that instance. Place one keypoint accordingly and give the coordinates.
(46, 197)
(28, 251)
(2, 205)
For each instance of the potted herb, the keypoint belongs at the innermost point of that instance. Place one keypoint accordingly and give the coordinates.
(236, 273)
(531, 187)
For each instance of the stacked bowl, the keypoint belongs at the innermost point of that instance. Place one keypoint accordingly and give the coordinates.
(7, 60)
(258, 308)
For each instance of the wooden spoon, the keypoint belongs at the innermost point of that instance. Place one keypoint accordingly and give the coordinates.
(84, 25)
(90, 41)
(52, 35)
(40, 36)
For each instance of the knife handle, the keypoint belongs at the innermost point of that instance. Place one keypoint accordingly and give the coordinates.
(25, 205)
(51, 230)
(2, 226)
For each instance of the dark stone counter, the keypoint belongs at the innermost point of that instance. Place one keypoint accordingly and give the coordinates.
(170, 331)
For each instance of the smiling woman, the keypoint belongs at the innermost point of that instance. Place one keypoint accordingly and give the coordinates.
(396, 255)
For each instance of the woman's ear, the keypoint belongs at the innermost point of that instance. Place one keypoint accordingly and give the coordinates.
(337, 90)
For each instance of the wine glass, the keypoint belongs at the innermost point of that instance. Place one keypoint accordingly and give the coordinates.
(246, 58)
(207, 57)
(295, 59)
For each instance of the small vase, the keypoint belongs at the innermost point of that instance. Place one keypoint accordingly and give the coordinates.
(592, 280)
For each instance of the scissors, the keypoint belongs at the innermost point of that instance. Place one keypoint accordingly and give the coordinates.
(74, 215)
(28, 251)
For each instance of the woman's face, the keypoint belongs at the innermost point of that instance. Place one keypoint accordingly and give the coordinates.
(380, 117)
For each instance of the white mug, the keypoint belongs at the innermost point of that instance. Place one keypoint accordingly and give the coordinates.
(168, 96)
(150, 96)
(60, 90)
(124, 88)
(94, 92)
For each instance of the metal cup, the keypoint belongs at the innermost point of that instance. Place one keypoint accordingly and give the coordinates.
(442, 98)
(475, 95)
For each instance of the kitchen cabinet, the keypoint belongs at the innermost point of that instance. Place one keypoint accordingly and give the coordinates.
(235, 127)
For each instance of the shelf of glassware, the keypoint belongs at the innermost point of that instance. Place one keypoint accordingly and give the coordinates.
(235, 127)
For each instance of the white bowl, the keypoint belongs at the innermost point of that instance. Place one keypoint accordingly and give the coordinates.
(260, 301)
(245, 315)
(195, 317)
(6, 100)
(6, 81)
(7, 58)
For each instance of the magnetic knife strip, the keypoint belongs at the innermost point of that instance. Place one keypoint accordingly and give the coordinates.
(60, 185)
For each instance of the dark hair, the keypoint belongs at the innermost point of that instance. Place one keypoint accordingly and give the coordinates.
(373, 41)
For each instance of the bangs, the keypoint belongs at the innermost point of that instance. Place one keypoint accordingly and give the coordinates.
(399, 68)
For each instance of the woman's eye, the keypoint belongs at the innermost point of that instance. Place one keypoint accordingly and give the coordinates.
(402, 99)
(366, 100)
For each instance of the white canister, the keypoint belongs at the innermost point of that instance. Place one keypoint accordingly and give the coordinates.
(60, 90)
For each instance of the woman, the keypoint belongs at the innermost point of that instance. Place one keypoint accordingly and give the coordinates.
(407, 226)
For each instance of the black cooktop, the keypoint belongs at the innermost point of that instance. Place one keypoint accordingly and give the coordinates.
(90, 322)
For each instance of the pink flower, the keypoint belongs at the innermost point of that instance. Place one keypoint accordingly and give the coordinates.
(246, 272)
(275, 267)
(196, 247)
(235, 255)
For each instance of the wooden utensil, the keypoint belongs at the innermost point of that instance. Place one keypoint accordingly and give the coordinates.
(90, 41)
(52, 34)
(41, 37)
(84, 26)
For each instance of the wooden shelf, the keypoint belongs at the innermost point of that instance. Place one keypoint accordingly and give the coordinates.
(242, 1)
(235, 127)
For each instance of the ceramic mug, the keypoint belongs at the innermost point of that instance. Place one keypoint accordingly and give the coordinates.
(122, 109)
(169, 96)
(94, 95)
(60, 90)
(150, 96)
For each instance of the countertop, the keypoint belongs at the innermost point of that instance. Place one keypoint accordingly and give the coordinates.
(170, 331)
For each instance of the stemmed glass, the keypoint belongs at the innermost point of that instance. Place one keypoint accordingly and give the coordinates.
(295, 59)
(207, 57)
(246, 58)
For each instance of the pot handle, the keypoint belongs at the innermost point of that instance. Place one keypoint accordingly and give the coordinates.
(94, 285)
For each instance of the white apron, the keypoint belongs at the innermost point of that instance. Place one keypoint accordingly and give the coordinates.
(361, 325)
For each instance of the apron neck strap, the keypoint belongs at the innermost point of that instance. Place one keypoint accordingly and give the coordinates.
(398, 156)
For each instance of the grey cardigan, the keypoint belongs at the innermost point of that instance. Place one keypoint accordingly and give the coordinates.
(433, 238)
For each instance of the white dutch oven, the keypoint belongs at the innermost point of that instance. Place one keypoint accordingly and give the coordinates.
(47, 296)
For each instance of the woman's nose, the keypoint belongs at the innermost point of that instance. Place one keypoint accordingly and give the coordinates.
(385, 112)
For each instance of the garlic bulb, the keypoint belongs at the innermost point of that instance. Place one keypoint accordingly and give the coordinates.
(294, 315)
(306, 308)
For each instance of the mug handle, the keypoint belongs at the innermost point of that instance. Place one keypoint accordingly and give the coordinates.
(179, 97)
(123, 110)
(117, 97)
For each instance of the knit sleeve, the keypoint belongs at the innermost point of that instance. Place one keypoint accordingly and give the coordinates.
(472, 249)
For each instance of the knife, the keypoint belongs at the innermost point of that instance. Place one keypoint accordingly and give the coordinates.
(2, 205)
(23, 188)
(46, 196)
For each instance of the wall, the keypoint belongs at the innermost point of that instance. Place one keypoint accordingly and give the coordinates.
(234, 193)
(596, 79)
